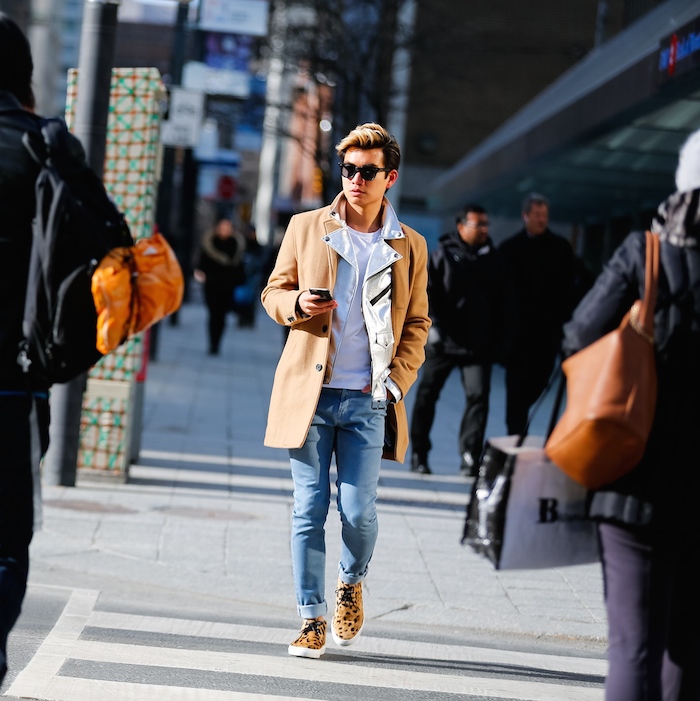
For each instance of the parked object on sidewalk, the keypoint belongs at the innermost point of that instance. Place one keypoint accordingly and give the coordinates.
(525, 513)
(135, 287)
(246, 297)
(611, 395)
(75, 226)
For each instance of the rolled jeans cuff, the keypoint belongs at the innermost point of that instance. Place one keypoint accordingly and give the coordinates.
(350, 579)
(313, 610)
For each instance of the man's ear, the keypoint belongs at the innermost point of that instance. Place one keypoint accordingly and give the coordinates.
(391, 178)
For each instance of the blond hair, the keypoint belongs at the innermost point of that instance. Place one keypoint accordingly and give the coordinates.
(372, 135)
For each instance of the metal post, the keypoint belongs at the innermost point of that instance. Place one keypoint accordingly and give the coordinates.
(271, 139)
(44, 39)
(401, 83)
(19, 10)
(97, 41)
(177, 59)
(164, 205)
(601, 23)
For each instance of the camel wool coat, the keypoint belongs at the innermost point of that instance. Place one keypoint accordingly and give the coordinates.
(305, 261)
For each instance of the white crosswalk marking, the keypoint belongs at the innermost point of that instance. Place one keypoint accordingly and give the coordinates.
(68, 689)
(401, 648)
(43, 679)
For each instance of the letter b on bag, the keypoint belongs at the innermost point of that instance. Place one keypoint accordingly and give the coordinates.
(549, 511)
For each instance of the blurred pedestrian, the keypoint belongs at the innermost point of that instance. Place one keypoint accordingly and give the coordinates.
(221, 270)
(464, 284)
(352, 354)
(649, 535)
(247, 295)
(539, 273)
(24, 407)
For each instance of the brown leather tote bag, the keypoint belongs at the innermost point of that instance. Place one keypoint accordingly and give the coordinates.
(611, 395)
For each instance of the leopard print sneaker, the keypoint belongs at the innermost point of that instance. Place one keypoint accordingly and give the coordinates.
(311, 641)
(349, 616)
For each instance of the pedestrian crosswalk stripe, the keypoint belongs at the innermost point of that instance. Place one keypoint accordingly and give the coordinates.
(284, 667)
(42, 678)
(211, 459)
(71, 689)
(56, 648)
(184, 472)
(399, 648)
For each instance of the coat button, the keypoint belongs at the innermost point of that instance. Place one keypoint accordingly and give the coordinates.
(319, 367)
(325, 328)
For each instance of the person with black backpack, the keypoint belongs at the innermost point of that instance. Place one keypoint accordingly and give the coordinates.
(24, 406)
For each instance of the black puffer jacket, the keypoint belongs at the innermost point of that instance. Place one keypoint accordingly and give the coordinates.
(465, 295)
(18, 173)
(662, 490)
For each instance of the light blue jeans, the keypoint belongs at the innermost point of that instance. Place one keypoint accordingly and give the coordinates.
(344, 424)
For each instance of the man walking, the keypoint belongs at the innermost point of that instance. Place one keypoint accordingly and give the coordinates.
(464, 291)
(350, 282)
(540, 283)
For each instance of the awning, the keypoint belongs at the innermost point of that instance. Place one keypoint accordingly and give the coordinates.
(603, 139)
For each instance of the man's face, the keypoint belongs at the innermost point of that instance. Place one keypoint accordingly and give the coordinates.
(361, 192)
(537, 219)
(474, 229)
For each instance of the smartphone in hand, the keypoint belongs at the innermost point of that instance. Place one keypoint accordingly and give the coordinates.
(322, 292)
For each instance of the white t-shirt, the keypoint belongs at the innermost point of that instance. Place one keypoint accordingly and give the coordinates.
(352, 368)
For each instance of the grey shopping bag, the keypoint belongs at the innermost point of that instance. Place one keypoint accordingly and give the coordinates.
(524, 512)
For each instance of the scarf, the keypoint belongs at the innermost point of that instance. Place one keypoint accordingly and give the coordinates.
(678, 219)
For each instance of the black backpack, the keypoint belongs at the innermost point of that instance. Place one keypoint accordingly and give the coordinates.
(76, 224)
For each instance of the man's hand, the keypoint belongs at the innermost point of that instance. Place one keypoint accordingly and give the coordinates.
(368, 388)
(313, 305)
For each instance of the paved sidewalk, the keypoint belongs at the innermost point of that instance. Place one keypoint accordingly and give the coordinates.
(206, 512)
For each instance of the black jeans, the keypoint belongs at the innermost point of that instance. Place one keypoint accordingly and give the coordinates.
(219, 303)
(476, 381)
(23, 440)
(653, 614)
(526, 378)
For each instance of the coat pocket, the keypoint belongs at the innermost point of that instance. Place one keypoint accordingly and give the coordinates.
(384, 339)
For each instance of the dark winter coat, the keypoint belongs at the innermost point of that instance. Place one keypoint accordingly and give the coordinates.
(221, 260)
(540, 289)
(663, 488)
(464, 288)
(18, 173)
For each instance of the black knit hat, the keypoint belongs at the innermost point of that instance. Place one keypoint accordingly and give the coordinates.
(16, 65)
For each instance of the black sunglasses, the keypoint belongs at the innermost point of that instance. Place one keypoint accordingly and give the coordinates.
(348, 170)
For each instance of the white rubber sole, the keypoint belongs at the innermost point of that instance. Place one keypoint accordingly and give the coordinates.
(297, 651)
(340, 642)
